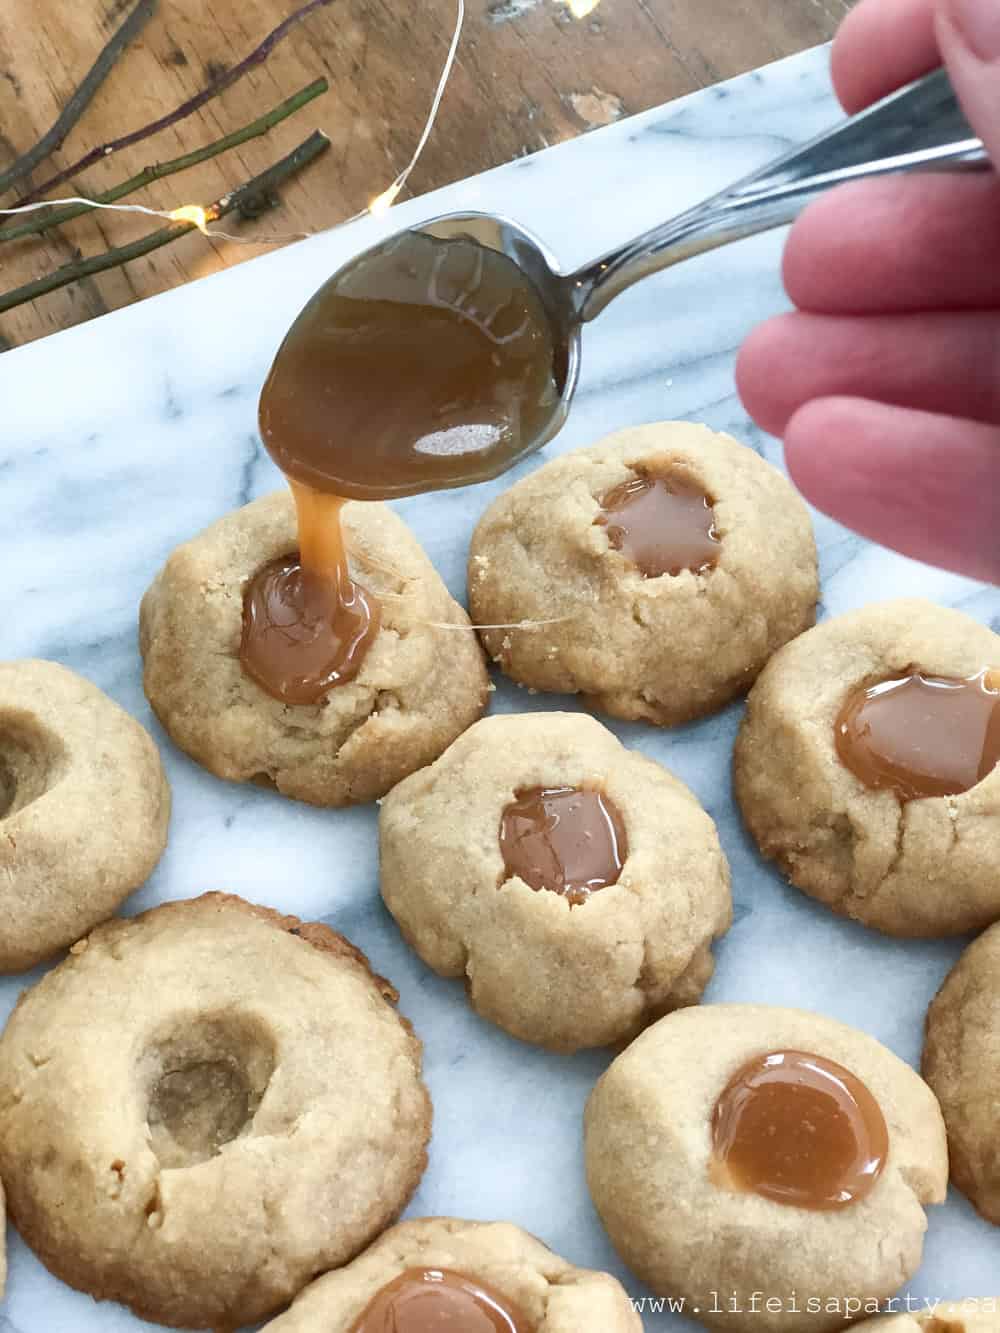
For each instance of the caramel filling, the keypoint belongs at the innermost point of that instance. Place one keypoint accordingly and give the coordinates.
(434, 1300)
(662, 526)
(307, 625)
(922, 735)
(568, 840)
(426, 365)
(798, 1129)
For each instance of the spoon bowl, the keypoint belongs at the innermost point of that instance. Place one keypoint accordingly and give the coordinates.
(918, 128)
(448, 352)
(539, 267)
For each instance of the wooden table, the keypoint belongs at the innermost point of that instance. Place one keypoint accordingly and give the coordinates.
(529, 75)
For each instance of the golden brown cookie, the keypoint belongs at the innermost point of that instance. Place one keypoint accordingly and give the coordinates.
(421, 684)
(84, 809)
(977, 1314)
(661, 647)
(575, 920)
(717, 1178)
(962, 1064)
(921, 866)
(537, 1291)
(204, 1107)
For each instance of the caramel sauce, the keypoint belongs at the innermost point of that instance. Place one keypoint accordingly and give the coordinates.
(422, 365)
(662, 526)
(798, 1129)
(306, 624)
(433, 1300)
(568, 840)
(922, 735)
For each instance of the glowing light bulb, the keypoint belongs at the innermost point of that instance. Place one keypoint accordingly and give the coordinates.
(191, 213)
(381, 204)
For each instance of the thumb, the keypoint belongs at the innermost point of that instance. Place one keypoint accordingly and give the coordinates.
(968, 33)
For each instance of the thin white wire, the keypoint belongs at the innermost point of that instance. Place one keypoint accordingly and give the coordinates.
(390, 193)
(76, 199)
(514, 624)
(449, 63)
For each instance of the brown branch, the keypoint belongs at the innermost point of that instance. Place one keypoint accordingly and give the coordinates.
(249, 201)
(188, 108)
(54, 217)
(51, 141)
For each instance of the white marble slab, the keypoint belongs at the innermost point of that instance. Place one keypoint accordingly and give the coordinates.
(124, 437)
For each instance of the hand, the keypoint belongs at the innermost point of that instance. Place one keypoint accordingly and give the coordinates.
(885, 382)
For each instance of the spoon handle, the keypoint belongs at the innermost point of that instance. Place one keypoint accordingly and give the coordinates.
(919, 128)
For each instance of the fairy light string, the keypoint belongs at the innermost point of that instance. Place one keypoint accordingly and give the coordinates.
(199, 217)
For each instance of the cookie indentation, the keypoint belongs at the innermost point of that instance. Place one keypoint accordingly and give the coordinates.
(30, 758)
(685, 1232)
(303, 635)
(921, 735)
(569, 840)
(663, 525)
(649, 631)
(208, 1078)
(424, 1299)
(484, 856)
(799, 1129)
(329, 748)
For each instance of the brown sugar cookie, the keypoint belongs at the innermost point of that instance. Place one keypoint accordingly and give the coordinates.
(418, 687)
(976, 1314)
(740, 1149)
(430, 1273)
(667, 564)
(576, 885)
(204, 1107)
(865, 767)
(84, 809)
(961, 1062)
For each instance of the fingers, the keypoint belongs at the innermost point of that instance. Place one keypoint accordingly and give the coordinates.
(968, 33)
(926, 485)
(947, 363)
(913, 243)
(884, 44)
(881, 45)
(892, 422)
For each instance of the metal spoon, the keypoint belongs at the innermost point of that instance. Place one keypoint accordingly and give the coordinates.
(919, 128)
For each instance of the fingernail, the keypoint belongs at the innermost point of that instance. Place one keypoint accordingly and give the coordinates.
(978, 23)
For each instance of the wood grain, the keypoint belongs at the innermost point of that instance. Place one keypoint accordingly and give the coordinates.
(528, 75)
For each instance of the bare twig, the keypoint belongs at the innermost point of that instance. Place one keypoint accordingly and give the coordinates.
(188, 108)
(249, 201)
(54, 217)
(81, 99)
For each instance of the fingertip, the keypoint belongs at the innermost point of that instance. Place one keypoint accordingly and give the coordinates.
(849, 79)
(881, 45)
(813, 248)
(759, 376)
(918, 482)
(894, 244)
(807, 453)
